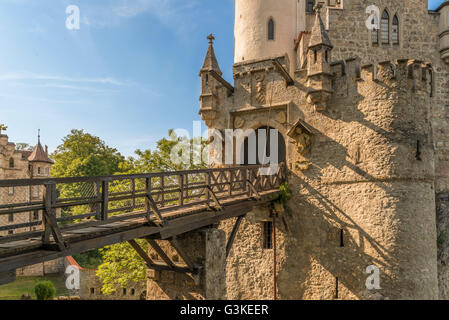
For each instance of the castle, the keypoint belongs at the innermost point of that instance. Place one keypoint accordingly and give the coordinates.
(359, 93)
(24, 164)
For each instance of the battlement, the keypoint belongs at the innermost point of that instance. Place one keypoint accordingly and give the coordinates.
(411, 74)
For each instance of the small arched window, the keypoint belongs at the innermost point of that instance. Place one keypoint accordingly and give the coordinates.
(11, 162)
(310, 5)
(395, 30)
(385, 28)
(375, 30)
(271, 29)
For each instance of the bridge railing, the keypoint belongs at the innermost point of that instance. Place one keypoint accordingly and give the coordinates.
(45, 208)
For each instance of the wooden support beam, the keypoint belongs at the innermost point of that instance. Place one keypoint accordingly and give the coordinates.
(49, 218)
(157, 266)
(152, 204)
(141, 253)
(233, 234)
(288, 79)
(253, 190)
(160, 252)
(104, 199)
(177, 246)
(214, 197)
(226, 84)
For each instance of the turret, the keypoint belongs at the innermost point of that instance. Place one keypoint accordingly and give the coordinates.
(319, 77)
(209, 95)
(443, 9)
(39, 161)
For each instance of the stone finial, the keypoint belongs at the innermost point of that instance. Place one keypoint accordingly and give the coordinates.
(211, 38)
(319, 34)
(210, 61)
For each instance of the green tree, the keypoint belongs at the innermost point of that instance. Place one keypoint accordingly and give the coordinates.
(82, 154)
(45, 290)
(24, 146)
(121, 264)
(3, 127)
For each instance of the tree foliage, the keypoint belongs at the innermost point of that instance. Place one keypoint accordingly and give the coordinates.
(121, 264)
(45, 290)
(24, 146)
(82, 154)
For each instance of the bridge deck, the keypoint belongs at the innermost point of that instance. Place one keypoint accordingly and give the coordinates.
(82, 214)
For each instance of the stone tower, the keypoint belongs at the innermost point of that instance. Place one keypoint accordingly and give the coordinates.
(253, 42)
(363, 117)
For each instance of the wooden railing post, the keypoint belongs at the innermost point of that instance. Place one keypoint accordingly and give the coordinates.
(230, 182)
(133, 192)
(208, 186)
(99, 197)
(181, 188)
(104, 199)
(48, 204)
(49, 218)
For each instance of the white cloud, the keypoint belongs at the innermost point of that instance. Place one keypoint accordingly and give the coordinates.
(34, 76)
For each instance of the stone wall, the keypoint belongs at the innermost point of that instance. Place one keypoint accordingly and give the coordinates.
(206, 248)
(363, 183)
(41, 269)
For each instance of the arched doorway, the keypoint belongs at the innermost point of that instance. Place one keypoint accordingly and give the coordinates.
(252, 147)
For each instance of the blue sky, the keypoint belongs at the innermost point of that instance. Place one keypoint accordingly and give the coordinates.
(128, 75)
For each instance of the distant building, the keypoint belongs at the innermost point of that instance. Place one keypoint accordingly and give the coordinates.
(24, 164)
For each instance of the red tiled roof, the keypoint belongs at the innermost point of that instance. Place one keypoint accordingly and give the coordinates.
(39, 155)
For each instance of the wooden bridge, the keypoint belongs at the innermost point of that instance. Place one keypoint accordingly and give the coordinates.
(73, 215)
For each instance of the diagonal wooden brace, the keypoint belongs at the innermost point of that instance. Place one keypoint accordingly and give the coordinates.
(151, 204)
(160, 252)
(176, 245)
(156, 266)
(218, 205)
(233, 234)
(141, 253)
(253, 190)
(49, 219)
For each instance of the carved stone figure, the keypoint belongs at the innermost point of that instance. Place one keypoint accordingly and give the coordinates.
(260, 88)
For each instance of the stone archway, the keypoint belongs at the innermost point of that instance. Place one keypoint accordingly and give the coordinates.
(281, 147)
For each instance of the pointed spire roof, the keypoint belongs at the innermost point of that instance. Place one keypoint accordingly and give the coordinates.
(39, 154)
(319, 34)
(210, 62)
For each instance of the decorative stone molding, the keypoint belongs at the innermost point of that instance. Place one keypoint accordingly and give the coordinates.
(238, 123)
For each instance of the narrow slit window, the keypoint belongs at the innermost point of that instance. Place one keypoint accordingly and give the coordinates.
(11, 162)
(385, 27)
(418, 150)
(271, 29)
(342, 238)
(11, 217)
(431, 82)
(315, 56)
(375, 30)
(268, 235)
(395, 33)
